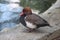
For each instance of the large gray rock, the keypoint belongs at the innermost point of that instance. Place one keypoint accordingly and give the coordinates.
(54, 19)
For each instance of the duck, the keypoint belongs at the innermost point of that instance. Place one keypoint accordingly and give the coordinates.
(32, 21)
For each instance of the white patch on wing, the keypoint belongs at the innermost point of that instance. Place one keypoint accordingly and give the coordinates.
(30, 25)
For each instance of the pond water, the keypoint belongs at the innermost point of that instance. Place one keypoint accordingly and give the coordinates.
(9, 13)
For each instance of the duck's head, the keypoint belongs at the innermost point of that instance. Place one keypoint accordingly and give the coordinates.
(26, 11)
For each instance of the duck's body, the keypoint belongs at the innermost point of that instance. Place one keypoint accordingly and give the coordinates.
(33, 21)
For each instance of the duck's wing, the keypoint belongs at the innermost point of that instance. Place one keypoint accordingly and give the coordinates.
(35, 19)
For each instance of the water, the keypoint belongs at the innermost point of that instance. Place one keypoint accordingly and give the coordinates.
(9, 13)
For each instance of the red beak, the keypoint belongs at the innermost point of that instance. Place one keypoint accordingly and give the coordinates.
(21, 14)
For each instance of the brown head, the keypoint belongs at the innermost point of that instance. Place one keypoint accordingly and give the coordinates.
(27, 11)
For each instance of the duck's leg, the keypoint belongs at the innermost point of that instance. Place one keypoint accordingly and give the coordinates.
(30, 29)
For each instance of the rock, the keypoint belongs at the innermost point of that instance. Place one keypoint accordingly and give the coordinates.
(52, 36)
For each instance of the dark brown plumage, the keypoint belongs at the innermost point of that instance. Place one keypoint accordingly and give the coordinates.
(36, 20)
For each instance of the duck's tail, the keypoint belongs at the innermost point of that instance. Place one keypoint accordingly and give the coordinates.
(44, 25)
(48, 25)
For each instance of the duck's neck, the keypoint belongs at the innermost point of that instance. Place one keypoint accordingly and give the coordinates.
(29, 14)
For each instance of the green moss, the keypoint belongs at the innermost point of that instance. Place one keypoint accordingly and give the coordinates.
(41, 5)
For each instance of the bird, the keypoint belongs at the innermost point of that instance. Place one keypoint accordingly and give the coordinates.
(32, 21)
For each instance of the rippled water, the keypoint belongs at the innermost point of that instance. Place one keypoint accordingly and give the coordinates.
(9, 14)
